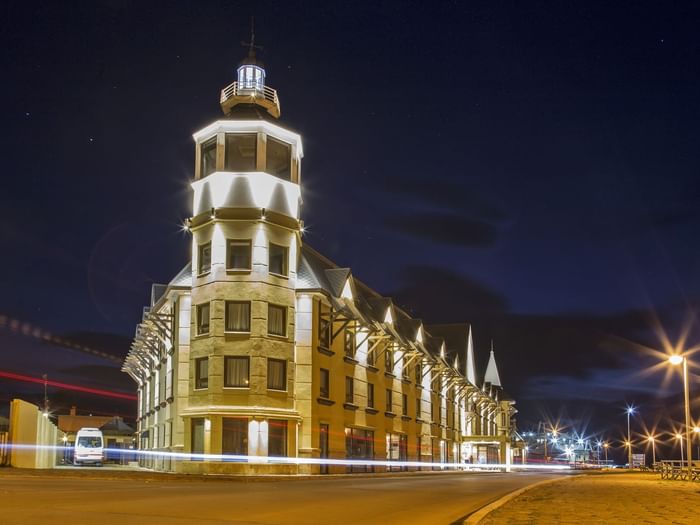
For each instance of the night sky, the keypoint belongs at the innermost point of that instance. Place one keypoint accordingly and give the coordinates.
(529, 167)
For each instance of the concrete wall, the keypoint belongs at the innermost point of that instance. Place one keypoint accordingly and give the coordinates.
(28, 426)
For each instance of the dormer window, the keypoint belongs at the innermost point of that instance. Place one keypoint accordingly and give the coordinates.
(241, 152)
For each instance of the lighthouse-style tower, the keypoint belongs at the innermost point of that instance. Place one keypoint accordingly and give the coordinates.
(246, 240)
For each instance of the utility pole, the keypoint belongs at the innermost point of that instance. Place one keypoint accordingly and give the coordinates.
(46, 394)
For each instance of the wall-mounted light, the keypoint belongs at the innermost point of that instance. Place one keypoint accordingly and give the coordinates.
(262, 213)
(212, 214)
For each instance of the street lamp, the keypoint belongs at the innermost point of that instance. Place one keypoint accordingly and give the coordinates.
(653, 450)
(630, 411)
(677, 360)
(605, 447)
(679, 437)
(696, 430)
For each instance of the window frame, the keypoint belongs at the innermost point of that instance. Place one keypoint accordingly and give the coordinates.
(288, 174)
(197, 373)
(248, 134)
(200, 249)
(389, 401)
(349, 343)
(250, 317)
(324, 376)
(203, 146)
(249, 244)
(285, 260)
(370, 395)
(350, 390)
(226, 378)
(198, 318)
(285, 310)
(284, 376)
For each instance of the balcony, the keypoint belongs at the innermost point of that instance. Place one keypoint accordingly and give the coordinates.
(250, 93)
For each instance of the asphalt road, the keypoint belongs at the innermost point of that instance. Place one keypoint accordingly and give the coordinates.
(105, 498)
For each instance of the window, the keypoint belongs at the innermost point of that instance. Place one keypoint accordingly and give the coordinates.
(404, 404)
(371, 357)
(208, 161)
(241, 152)
(418, 410)
(389, 361)
(370, 395)
(197, 445)
(278, 259)
(404, 369)
(277, 437)
(279, 158)
(349, 389)
(276, 319)
(349, 341)
(237, 316)
(238, 255)
(234, 436)
(325, 387)
(203, 318)
(419, 373)
(204, 258)
(236, 371)
(389, 400)
(276, 374)
(324, 331)
(201, 370)
(359, 444)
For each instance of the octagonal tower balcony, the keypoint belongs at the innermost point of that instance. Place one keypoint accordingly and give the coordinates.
(250, 88)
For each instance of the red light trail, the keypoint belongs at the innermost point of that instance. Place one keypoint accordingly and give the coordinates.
(66, 386)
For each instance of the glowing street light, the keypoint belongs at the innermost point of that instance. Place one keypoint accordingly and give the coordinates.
(677, 359)
(605, 447)
(630, 411)
(651, 440)
(679, 437)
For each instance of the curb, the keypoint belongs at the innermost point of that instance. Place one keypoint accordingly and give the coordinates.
(478, 515)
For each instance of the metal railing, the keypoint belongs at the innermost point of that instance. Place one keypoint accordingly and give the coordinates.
(675, 469)
(249, 90)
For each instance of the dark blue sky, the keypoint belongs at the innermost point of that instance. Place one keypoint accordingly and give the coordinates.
(530, 167)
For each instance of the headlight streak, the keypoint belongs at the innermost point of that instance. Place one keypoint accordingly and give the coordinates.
(262, 460)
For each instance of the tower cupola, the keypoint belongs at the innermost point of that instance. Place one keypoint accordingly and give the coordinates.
(249, 87)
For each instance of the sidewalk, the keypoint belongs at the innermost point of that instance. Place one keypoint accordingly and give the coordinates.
(638, 498)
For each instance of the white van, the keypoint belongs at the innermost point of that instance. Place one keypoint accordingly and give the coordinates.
(89, 446)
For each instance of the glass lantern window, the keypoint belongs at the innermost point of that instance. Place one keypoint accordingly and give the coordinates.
(241, 152)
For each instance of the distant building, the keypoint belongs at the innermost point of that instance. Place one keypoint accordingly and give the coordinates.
(117, 434)
(264, 347)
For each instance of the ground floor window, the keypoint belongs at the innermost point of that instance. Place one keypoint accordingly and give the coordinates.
(197, 437)
(359, 444)
(234, 436)
(397, 448)
(277, 437)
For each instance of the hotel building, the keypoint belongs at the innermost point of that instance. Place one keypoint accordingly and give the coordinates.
(263, 347)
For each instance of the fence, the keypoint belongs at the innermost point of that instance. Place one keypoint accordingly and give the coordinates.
(673, 469)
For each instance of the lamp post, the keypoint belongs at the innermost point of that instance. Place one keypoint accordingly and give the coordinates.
(630, 411)
(653, 450)
(679, 437)
(605, 447)
(696, 430)
(677, 360)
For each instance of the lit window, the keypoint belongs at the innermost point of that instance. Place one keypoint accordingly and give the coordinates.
(236, 371)
(279, 158)
(208, 155)
(349, 344)
(203, 318)
(276, 320)
(241, 152)
(204, 258)
(237, 316)
(325, 380)
(238, 255)
(278, 259)
(201, 367)
(276, 374)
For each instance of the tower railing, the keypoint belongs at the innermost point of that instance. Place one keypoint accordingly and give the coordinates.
(249, 90)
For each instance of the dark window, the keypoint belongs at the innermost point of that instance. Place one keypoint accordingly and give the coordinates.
(276, 319)
(389, 400)
(349, 389)
(404, 369)
(238, 256)
(276, 374)
(208, 164)
(371, 357)
(237, 316)
(419, 374)
(404, 404)
(203, 318)
(349, 344)
(324, 331)
(236, 371)
(325, 388)
(279, 158)
(241, 152)
(204, 258)
(197, 436)
(278, 259)
(370, 395)
(201, 367)
(277, 437)
(359, 444)
(389, 361)
(234, 436)
(418, 411)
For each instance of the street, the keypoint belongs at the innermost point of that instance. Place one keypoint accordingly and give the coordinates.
(105, 497)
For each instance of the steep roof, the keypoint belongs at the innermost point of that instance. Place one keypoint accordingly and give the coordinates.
(491, 375)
